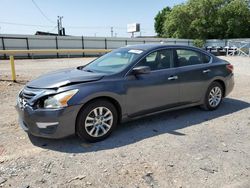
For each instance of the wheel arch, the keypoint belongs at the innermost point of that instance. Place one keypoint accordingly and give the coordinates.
(106, 98)
(222, 83)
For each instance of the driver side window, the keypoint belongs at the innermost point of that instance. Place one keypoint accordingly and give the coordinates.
(158, 60)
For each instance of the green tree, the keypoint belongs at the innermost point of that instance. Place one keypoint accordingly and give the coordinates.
(236, 16)
(160, 19)
(207, 19)
(177, 22)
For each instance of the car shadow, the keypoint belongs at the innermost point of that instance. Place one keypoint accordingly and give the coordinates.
(137, 130)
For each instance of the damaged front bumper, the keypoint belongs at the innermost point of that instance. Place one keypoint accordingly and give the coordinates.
(48, 123)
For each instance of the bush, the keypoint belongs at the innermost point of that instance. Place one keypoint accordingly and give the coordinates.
(199, 43)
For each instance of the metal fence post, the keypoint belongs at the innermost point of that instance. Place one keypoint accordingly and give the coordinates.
(27, 45)
(4, 56)
(83, 46)
(57, 54)
(13, 71)
(105, 43)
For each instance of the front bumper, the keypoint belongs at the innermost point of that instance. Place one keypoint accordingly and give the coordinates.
(48, 123)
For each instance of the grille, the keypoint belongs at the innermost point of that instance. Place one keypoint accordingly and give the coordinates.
(27, 96)
(28, 93)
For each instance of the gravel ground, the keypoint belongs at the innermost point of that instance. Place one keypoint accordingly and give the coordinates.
(184, 148)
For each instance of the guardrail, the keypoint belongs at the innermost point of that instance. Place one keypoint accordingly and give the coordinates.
(12, 53)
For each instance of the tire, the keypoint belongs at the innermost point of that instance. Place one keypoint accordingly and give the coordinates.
(210, 102)
(96, 120)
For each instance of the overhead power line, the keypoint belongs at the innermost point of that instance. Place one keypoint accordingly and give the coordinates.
(27, 25)
(73, 27)
(52, 29)
(93, 27)
(42, 13)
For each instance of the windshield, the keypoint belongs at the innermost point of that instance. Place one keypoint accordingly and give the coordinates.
(114, 61)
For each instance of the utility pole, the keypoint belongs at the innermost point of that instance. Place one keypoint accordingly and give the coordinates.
(61, 29)
(112, 31)
(58, 26)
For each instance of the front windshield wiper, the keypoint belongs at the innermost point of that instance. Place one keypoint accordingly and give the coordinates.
(84, 69)
(88, 70)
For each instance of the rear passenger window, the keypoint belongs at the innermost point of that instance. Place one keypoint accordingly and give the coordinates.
(205, 58)
(190, 57)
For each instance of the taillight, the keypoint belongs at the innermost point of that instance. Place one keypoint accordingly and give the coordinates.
(230, 67)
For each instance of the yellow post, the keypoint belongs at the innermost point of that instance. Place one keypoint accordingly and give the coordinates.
(13, 71)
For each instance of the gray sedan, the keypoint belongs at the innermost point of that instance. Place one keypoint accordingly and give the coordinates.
(127, 83)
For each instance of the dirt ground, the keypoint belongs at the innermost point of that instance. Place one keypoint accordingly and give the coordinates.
(184, 148)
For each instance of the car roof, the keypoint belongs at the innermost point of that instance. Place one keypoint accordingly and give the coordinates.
(146, 47)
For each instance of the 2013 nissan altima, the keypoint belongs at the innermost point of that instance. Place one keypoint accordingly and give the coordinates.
(127, 83)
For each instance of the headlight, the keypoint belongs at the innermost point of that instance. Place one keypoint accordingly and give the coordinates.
(60, 100)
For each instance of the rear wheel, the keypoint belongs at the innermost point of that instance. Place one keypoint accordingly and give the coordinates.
(213, 96)
(96, 120)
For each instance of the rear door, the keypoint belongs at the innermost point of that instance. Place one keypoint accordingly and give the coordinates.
(193, 74)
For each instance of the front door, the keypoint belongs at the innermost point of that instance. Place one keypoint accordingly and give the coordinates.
(155, 91)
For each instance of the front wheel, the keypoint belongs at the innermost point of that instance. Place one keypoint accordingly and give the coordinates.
(96, 120)
(213, 96)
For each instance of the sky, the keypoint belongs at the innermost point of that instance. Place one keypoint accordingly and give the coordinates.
(80, 17)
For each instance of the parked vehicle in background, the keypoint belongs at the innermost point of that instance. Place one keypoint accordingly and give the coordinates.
(125, 84)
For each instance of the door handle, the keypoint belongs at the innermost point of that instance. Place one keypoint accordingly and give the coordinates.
(173, 78)
(206, 71)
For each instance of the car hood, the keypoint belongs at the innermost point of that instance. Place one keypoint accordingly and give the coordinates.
(64, 77)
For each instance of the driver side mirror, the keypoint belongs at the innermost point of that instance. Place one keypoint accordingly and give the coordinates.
(141, 70)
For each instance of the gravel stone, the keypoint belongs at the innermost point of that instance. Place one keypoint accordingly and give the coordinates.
(183, 148)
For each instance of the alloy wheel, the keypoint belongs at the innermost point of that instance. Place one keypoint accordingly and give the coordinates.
(99, 121)
(215, 96)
